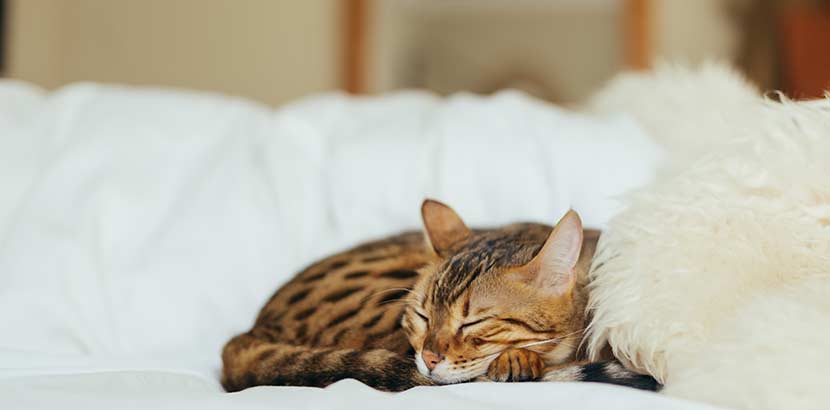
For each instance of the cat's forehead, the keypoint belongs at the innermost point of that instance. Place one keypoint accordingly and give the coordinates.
(512, 245)
(485, 253)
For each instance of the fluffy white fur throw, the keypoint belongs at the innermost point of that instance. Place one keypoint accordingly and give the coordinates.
(716, 279)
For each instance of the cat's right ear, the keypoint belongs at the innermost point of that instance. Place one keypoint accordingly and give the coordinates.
(552, 269)
(443, 228)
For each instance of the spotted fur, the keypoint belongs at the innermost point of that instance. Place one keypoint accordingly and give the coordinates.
(373, 313)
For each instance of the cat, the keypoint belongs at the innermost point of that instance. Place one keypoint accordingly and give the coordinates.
(444, 306)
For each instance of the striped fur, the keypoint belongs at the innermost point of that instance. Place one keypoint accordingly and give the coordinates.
(374, 312)
(601, 372)
(337, 319)
(268, 363)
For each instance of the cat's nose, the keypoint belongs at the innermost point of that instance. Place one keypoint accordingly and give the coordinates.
(431, 359)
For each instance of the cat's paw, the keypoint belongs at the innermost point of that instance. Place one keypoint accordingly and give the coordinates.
(516, 365)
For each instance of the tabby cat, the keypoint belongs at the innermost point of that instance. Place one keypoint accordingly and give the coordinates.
(445, 306)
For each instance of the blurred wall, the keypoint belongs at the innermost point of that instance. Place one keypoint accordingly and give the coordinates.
(559, 50)
(269, 50)
(278, 50)
(691, 31)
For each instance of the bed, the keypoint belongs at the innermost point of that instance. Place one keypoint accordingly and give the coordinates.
(140, 228)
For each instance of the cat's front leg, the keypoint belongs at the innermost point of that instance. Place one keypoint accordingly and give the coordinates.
(516, 365)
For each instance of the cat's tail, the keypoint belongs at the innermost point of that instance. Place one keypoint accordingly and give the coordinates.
(611, 372)
(250, 361)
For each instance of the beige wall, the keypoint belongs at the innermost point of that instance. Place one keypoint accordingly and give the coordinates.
(570, 46)
(691, 31)
(558, 50)
(278, 50)
(269, 50)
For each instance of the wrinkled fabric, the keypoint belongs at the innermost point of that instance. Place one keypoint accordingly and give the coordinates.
(141, 228)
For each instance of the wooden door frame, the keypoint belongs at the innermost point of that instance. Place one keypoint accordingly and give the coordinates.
(637, 33)
(356, 22)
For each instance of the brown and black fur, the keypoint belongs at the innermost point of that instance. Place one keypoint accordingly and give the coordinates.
(355, 315)
(339, 318)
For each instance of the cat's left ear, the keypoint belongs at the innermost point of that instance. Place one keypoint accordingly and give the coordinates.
(552, 269)
(443, 227)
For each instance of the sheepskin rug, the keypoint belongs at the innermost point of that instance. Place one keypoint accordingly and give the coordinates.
(716, 279)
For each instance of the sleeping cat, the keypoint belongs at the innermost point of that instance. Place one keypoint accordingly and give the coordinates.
(445, 306)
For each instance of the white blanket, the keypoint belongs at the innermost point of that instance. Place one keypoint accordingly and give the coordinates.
(716, 278)
(141, 228)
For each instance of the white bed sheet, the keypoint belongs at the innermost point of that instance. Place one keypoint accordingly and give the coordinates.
(141, 228)
(161, 390)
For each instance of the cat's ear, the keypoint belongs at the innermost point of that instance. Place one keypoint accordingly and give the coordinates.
(443, 228)
(552, 269)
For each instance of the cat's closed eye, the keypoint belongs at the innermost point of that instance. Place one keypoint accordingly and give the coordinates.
(420, 315)
(473, 323)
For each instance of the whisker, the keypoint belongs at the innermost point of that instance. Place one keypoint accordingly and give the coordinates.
(541, 342)
(475, 361)
(572, 333)
(552, 340)
(395, 289)
(392, 301)
(486, 356)
(380, 292)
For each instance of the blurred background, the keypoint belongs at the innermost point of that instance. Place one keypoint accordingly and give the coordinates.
(274, 51)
